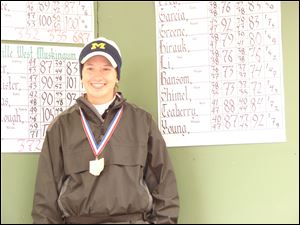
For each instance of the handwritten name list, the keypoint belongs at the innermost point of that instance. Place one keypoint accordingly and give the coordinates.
(219, 74)
(37, 83)
(50, 21)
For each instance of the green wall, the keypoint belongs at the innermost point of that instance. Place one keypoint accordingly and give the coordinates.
(253, 183)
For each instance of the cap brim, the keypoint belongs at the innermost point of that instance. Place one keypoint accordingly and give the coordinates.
(110, 59)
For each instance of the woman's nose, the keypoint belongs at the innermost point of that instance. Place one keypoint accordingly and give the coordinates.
(99, 73)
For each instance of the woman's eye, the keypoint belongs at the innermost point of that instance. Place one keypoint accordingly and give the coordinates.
(106, 69)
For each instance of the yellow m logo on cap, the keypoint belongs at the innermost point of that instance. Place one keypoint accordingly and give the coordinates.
(96, 45)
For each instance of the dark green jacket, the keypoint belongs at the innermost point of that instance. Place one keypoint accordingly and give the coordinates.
(137, 178)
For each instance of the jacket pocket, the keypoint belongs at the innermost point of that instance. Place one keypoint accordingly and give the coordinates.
(77, 161)
(126, 155)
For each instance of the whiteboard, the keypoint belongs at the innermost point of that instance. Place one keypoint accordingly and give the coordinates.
(219, 72)
(37, 83)
(47, 21)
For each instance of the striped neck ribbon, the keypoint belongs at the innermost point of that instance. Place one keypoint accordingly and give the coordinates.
(98, 148)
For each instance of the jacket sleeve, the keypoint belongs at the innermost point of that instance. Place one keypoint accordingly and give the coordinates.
(161, 181)
(48, 180)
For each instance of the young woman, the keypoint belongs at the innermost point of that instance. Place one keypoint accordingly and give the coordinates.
(104, 159)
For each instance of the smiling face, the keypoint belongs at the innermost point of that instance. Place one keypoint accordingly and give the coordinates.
(99, 79)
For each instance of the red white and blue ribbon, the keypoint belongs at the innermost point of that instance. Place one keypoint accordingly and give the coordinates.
(97, 149)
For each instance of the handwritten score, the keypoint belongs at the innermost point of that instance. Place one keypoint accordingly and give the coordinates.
(37, 83)
(48, 21)
(220, 77)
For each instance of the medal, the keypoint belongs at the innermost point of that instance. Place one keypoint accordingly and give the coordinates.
(96, 166)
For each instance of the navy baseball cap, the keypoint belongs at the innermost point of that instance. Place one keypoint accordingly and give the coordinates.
(105, 47)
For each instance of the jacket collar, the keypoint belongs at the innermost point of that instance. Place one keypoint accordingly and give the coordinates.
(91, 112)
